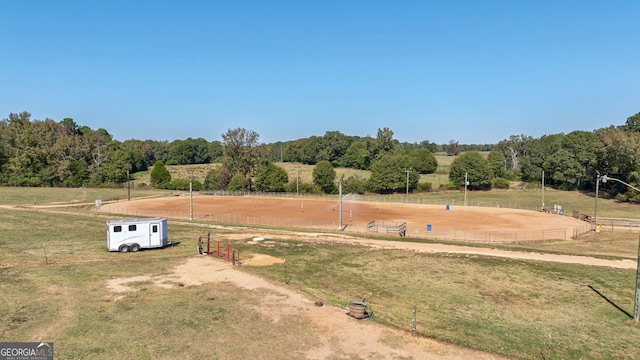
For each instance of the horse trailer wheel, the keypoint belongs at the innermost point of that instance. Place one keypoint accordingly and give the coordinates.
(134, 247)
(124, 248)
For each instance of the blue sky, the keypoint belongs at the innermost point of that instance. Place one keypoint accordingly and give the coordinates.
(470, 71)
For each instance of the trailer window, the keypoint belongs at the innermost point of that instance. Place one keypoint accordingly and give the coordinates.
(117, 228)
(154, 228)
(132, 228)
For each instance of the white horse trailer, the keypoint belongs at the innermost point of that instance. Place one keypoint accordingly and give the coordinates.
(134, 234)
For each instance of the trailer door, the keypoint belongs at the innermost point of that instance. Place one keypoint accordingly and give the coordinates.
(155, 236)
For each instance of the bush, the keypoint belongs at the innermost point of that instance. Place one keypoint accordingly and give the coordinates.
(509, 175)
(160, 176)
(183, 185)
(237, 183)
(424, 187)
(354, 184)
(449, 186)
(500, 183)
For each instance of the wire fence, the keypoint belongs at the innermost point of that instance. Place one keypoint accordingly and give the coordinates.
(612, 224)
(407, 230)
(396, 198)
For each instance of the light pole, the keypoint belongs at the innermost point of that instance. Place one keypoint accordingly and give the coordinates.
(466, 182)
(542, 190)
(595, 208)
(340, 202)
(636, 302)
(128, 185)
(297, 177)
(190, 198)
(407, 171)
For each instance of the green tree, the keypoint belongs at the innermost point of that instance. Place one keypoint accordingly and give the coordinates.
(389, 174)
(357, 156)
(160, 175)
(217, 179)
(453, 149)
(332, 147)
(270, 177)
(241, 152)
(585, 148)
(564, 169)
(324, 176)
(295, 151)
(385, 140)
(475, 167)
(216, 151)
(70, 125)
(632, 124)
(135, 149)
(189, 151)
(238, 182)
(497, 163)
(621, 151)
(423, 161)
(115, 170)
(311, 150)
(532, 153)
(354, 184)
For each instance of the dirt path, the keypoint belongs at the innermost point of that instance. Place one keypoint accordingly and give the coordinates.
(436, 248)
(366, 339)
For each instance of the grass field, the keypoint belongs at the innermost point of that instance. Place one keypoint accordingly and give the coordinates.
(55, 264)
(305, 172)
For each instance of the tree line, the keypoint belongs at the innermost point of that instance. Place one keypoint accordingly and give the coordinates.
(51, 153)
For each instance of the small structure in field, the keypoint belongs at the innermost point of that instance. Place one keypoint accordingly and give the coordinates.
(390, 227)
(134, 234)
(358, 309)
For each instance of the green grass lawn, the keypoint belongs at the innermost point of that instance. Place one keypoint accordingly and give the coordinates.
(54, 267)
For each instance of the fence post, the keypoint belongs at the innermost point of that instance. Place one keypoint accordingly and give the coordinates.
(413, 327)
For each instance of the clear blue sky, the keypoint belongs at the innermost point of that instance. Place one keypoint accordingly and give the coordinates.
(470, 71)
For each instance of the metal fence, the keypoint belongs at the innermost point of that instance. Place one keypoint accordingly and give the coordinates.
(613, 224)
(379, 199)
(417, 232)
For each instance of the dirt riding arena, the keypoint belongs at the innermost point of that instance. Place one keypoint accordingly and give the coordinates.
(468, 223)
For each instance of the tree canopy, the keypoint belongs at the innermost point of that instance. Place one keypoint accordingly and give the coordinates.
(66, 153)
(324, 176)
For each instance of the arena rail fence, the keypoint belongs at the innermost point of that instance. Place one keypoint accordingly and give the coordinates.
(411, 231)
(399, 198)
(614, 224)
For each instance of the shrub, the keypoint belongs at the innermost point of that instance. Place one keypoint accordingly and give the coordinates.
(354, 184)
(449, 186)
(424, 187)
(500, 183)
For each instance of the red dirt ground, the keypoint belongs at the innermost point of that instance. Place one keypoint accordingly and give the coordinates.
(356, 213)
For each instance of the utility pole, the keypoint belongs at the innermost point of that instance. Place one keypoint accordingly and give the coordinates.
(407, 171)
(543, 190)
(340, 202)
(595, 209)
(466, 182)
(190, 198)
(636, 302)
(297, 178)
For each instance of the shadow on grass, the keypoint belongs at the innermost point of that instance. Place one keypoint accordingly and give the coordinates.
(610, 302)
